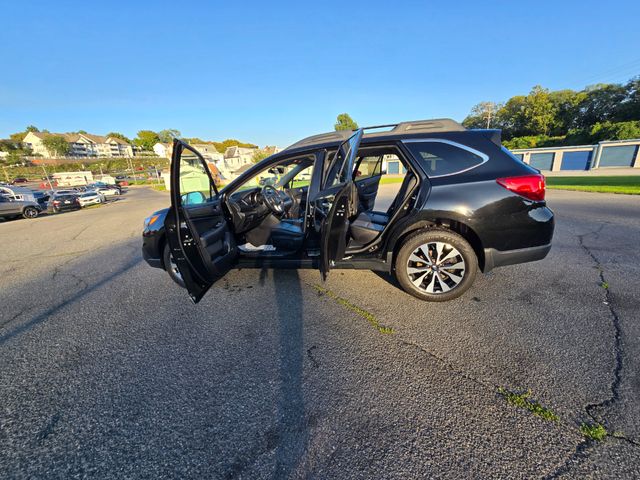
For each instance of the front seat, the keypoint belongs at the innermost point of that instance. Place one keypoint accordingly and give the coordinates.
(368, 225)
(287, 234)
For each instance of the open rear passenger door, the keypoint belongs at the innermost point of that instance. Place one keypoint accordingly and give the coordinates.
(337, 203)
(200, 236)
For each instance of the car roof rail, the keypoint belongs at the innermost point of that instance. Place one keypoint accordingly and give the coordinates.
(339, 135)
(417, 126)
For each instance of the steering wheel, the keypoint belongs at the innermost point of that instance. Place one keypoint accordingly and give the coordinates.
(274, 201)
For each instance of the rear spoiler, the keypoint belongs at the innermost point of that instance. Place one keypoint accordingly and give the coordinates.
(494, 135)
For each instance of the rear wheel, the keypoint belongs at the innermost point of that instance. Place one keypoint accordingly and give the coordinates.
(171, 267)
(30, 212)
(436, 265)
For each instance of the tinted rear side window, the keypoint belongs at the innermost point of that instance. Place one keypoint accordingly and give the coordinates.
(439, 158)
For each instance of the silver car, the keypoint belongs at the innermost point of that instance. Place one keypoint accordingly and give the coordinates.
(10, 208)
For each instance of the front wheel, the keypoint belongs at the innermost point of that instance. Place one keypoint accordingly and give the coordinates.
(171, 267)
(436, 265)
(30, 212)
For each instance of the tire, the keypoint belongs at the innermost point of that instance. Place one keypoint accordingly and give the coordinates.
(30, 212)
(441, 281)
(170, 267)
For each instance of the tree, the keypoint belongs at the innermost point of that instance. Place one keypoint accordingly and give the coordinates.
(259, 155)
(565, 104)
(539, 112)
(146, 139)
(18, 137)
(56, 145)
(230, 142)
(345, 122)
(511, 117)
(82, 131)
(601, 103)
(7, 146)
(630, 108)
(565, 117)
(118, 135)
(482, 115)
(615, 131)
(167, 136)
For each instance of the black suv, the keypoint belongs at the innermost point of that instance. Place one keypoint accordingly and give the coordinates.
(429, 201)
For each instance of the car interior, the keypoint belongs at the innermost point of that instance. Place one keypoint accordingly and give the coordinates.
(368, 173)
(268, 211)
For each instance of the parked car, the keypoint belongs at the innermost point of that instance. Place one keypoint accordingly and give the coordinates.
(42, 198)
(465, 203)
(103, 198)
(68, 191)
(108, 191)
(90, 198)
(14, 192)
(61, 203)
(10, 208)
(18, 180)
(98, 185)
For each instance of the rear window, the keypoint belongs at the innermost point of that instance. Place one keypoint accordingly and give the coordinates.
(439, 158)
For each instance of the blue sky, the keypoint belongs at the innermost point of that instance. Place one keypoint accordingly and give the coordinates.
(273, 72)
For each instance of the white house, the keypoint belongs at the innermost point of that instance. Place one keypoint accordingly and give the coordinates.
(208, 151)
(80, 145)
(162, 149)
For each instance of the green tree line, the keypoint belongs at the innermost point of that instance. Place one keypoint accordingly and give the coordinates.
(546, 118)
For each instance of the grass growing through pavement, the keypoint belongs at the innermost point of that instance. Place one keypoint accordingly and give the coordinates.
(629, 184)
(368, 316)
(594, 432)
(522, 400)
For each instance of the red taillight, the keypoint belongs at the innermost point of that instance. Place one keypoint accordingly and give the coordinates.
(529, 186)
(56, 202)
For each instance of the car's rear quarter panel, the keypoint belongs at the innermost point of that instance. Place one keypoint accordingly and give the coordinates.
(501, 219)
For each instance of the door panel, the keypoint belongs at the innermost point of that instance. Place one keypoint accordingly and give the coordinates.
(199, 234)
(368, 191)
(337, 204)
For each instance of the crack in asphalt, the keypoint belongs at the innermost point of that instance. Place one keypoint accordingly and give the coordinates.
(595, 410)
(581, 451)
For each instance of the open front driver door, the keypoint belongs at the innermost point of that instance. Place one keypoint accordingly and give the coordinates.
(337, 203)
(199, 235)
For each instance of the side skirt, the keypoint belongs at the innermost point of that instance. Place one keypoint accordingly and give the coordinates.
(348, 264)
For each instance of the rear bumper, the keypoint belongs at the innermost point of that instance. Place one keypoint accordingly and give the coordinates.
(499, 258)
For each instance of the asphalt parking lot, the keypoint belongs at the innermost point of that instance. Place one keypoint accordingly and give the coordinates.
(107, 370)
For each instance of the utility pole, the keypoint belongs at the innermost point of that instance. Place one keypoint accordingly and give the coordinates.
(46, 175)
(130, 163)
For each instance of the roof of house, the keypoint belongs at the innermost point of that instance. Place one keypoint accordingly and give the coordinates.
(74, 137)
(69, 137)
(243, 168)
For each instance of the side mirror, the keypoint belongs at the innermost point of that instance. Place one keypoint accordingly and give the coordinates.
(383, 171)
(192, 198)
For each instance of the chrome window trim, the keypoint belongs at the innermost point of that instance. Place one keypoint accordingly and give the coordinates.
(483, 156)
